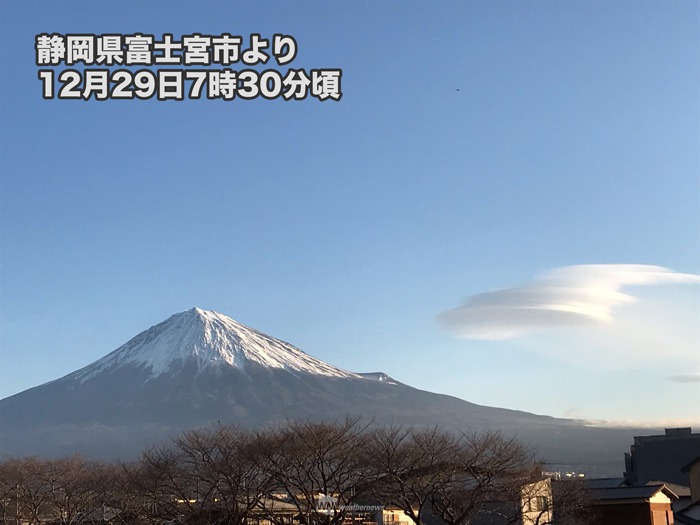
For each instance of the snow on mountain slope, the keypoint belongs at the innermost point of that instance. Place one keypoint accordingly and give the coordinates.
(209, 339)
(379, 376)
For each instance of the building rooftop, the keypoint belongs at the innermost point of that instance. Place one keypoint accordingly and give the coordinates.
(604, 483)
(679, 490)
(690, 514)
(643, 492)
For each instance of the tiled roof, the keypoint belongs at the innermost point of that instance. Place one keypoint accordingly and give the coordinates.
(679, 490)
(621, 493)
(603, 483)
(690, 514)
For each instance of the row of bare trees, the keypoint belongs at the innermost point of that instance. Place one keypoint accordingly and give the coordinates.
(231, 476)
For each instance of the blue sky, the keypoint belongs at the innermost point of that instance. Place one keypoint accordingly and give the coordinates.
(478, 146)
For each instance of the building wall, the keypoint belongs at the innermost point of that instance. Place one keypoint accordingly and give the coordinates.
(393, 517)
(694, 479)
(536, 502)
(662, 456)
(642, 513)
(624, 514)
(661, 514)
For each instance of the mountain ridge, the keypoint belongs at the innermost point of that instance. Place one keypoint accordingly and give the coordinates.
(198, 369)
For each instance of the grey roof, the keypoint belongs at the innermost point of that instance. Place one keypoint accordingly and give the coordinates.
(275, 506)
(604, 483)
(682, 491)
(690, 514)
(627, 493)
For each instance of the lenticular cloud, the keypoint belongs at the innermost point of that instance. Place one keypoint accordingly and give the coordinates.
(564, 297)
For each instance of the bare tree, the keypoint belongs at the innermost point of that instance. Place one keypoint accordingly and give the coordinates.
(73, 490)
(228, 476)
(203, 476)
(9, 491)
(573, 503)
(115, 487)
(166, 488)
(409, 465)
(60, 491)
(488, 476)
(225, 465)
(140, 490)
(312, 460)
(32, 493)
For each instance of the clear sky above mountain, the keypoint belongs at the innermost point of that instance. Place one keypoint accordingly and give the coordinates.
(438, 223)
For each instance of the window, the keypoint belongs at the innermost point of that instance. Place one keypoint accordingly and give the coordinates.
(539, 504)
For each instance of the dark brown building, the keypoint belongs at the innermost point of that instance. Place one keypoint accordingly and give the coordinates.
(641, 505)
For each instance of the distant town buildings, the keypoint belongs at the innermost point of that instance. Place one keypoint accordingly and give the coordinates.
(661, 483)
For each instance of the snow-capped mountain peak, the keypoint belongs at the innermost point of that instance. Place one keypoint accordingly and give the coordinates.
(208, 339)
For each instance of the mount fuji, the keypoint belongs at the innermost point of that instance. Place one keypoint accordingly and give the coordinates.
(200, 369)
(206, 341)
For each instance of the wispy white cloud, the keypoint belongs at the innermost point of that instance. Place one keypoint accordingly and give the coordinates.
(685, 378)
(659, 424)
(573, 296)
